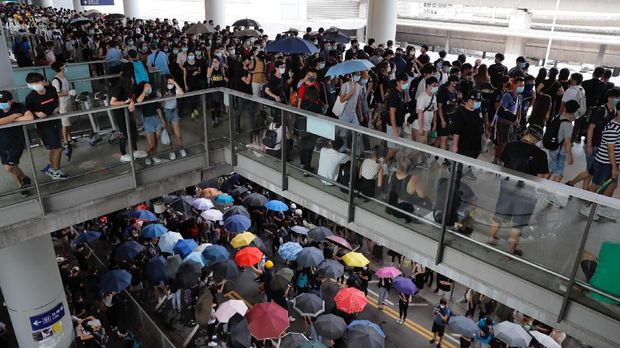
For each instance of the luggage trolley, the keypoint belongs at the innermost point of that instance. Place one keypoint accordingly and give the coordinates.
(98, 133)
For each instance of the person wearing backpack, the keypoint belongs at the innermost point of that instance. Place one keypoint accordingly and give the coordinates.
(557, 139)
(128, 338)
(577, 93)
(272, 140)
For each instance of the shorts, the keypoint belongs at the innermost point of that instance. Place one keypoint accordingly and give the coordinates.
(438, 329)
(388, 131)
(66, 121)
(449, 130)
(152, 124)
(50, 134)
(11, 151)
(557, 160)
(515, 204)
(171, 115)
(422, 139)
(600, 173)
(502, 131)
(590, 158)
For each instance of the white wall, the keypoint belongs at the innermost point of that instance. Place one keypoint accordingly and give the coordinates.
(63, 4)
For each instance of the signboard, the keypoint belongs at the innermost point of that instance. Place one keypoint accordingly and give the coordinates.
(48, 318)
(98, 2)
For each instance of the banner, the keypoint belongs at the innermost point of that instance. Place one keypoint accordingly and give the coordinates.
(98, 2)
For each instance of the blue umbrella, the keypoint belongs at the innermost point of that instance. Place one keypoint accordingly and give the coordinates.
(288, 251)
(153, 230)
(142, 215)
(128, 251)
(86, 237)
(196, 257)
(291, 45)
(237, 223)
(276, 205)
(405, 286)
(350, 66)
(367, 323)
(117, 280)
(155, 270)
(184, 247)
(215, 253)
(224, 199)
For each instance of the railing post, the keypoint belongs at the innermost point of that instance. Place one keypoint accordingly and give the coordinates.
(35, 180)
(573, 275)
(353, 176)
(283, 149)
(130, 146)
(203, 101)
(447, 205)
(232, 132)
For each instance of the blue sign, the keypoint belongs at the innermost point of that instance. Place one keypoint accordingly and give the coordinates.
(48, 318)
(98, 2)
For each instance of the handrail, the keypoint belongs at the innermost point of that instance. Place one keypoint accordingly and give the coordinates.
(102, 61)
(82, 79)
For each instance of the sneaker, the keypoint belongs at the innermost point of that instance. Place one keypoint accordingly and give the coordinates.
(46, 168)
(172, 156)
(431, 341)
(148, 161)
(214, 337)
(139, 154)
(26, 182)
(470, 175)
(183, 153)
(212, 344)
(156, 160)
(291, 319)
(605, 212)
(69, 152)
(56, 174)
(585, 211)
(125, 158)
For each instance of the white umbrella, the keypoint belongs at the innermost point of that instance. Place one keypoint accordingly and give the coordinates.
(545, 340)
(168, 240)
(202, 204)
(228, 309)
(212, 215)
(512, 334)
(201, 247)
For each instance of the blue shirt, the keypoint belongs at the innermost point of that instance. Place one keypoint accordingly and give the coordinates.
(159, 61)
(114, 56)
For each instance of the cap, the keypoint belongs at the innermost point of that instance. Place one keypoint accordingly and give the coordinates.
(613, 92)
(269, 264)
(536, 130)
(293, 206)
(5, 96)
(475, 95)
(299, 212)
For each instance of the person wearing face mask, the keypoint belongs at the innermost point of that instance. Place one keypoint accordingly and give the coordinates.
(442, 315)
(426, 109)
(469, 127)
(508, 115)
(130, 45)
(350, 95)
(192, 73)
(258, 73)
(351, 53)
(242, 82)
(171, 116)
(153, 120)
(182, 55)
(393, 117)
(157, 61)
(274, 89)
(65, 92)
(216, 76)
(519, 69)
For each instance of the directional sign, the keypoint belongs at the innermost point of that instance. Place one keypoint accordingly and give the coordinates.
(48, 318)
(98, 2)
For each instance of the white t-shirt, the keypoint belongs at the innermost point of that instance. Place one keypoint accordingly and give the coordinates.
(62, 85)
(329, 163)
(422, 103)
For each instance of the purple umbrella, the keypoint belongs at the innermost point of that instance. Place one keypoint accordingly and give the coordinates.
(404, 286)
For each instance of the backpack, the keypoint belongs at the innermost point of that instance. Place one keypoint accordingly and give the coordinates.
(270, 139)
(135, 343)
(550, 138)
(59, 84)
(302, 281)
(581, 99)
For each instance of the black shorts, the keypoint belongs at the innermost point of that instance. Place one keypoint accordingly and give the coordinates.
(515, 204)
(438, 329)
(50, 134)
(449, 129)
(11, 149)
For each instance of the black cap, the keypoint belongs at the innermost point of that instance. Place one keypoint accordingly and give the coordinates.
(535, 130)
(475, 95)
(454, 78)
(5, 96)
(521, 59)
(613, 92)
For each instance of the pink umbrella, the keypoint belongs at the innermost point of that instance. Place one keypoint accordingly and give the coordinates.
(340, 241)
(388, 272)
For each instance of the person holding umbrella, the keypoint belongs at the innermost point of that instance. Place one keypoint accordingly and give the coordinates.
(403, 307)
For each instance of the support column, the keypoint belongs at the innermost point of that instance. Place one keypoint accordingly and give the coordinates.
(77, 6)
(216, 10)
(6, 70)
(381, 20)
(520, 20)
(34, 294)
(447, 45)
(601, 54)
(47, 3)
(131, 8)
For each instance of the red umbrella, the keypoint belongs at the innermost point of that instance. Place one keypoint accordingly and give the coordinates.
(340, 241)
(350, 300)
(248, 256)
(267, 320)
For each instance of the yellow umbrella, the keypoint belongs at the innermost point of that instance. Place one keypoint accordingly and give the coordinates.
(242, 239)
(354, 259)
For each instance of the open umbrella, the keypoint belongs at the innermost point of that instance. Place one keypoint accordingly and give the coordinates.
(405, 286)
(212, 215)
(288, 251)
(354, 259)
(223, 199)
(114, 16)
(154, 270)
(319, 233)
(330, 326)
(236, 210)
(246, 23)
(93, 13)
(258, 242)
(464, 326)
(291, 45)
(330, 269)
(128, 251)
(201, 247)
(143, 215)
(215, 253)
(202, 309)
(350, 66)
(300, 230)
(153, 230)
(312, 344)
(267, 320)
(282, 278)
(202, 204)
(227, 309)
(309, 305)
(249, 256)
(340, 241)
(545, 340)
(171, 266)
(168, 240)
(210, 192)
(237, 223)
(310, 257)
(364, 336)
(255, 200)
(188, 274)
(388, 272)
(226, 269)
(239, 331)
(276, 205)
(292, 340)
(238, 191)
(86, 237)
(247, 33)
(369, 324)
(350, 300)
(80, 21)
(184, 247)
(199, 28)
(116, 280)
(333, 34)
(197, 258)
(512, 334)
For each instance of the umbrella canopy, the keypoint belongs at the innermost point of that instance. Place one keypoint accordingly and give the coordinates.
(350, 300)
(153, 230)
(215, 253)
(226, 310)
(116, 280)
(282, 278)
(115, 16)
(512, 334)
(364, 336)
(210, 192)
(154, 270)
(276, 205)
(181, 204)
(80, 21)
(464, 326)
(319, 233)
(237, 223)
(545, 340)
(171, 266)
(340, 241)
(309, 305)
(288, 251)
(353, 259)
(239, 331)
(242, 239)
(239, 190)
(258, 242)
(202, 247)
(86, 237)
(199, 28)
(202, 309)
(202, 204)
(330, 326)
(168, 240)
(255, 200)
(336, 35)
(226, 269)
(312, 344)
(300, 230)
(350, 66)
(236, 210)
(293, 340)
(291, 45)
(330, 269)
(249, 256)
(212, 215)
(197, 258)
(388, 272)
(405, 286)
(93, 13)
(141, 214)
(128, 251)
(246, 23)
(247, 33)
(223, 199)
(369, 324)
(267, 320)
(310, 257)
(188, 274)
(184, 247)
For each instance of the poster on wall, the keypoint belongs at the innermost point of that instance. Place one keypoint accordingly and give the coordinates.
(97, 2)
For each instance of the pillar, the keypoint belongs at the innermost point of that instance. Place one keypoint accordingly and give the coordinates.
(601, 54)
(34, 294)
(77, 6)
(216, 10)
(519, 20)
(6, 70)
(47, 3)
(381, 20)
(447, 45)
(131, 8)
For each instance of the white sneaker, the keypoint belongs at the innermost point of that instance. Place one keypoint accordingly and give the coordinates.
(125, 158)
(585, 211)
(214, 337)
(172, 156)
(139, 154)
(291, 319)
(212, 344)
(156, 160)
(183, 153)
(605, 212)
(148, 161)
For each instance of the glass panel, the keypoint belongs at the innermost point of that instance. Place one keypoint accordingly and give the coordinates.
(12, 179)
(218, 125)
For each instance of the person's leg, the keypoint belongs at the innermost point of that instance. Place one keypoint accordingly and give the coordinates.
(151, 143)
(54, 157)
(515, 235)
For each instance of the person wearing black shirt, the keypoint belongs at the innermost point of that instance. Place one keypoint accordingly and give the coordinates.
(242, 82)
(594, 87)
(447, 103)
(122, 94)
(43, 102)
(516, 202)
(12, 139)
(274, 89)
(395, 113)
(153, 119)
(469, 127)
(423, 58)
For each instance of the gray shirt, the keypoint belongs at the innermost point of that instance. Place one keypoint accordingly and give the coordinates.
(351, 105)
(565, 132)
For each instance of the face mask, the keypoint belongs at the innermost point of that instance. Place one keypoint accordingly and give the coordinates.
(442, 306)
(184, 49)
(520, 89)
(149, 91)
(282, 70)
(231, 52)
(327, 48)
(198, 53)
(166, 49)
(91, 32)
(130, 42)
(522, 65)
(356, 78)
(36, 87)
(191, 58)
(170, 86)
(364, 81)
(175, 51)
(4, 106)
(616, 101)
(311, 79)
(322, 66)
(434, 89)
(477, 104)
(405, 86)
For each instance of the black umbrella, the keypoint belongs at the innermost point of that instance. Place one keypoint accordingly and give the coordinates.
(80, 21)
(293, 340)
(336, 36)
(181, 204)
(330, 326)
(246, 23)
(199, 28)
(227, 269)
(115, 16)
(282, 278)
(255, 200)
(236, 210)
(188, 274)
(330, 269)
(319, 233)
(202, 310)
(238, 191)
(309, 305)
(258, 242)
(239, 331)
(310, 257)
(247, 33)
(171, 266)
(362, 336)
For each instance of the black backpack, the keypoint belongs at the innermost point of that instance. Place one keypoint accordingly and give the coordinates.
(270, 139)
(550, 138)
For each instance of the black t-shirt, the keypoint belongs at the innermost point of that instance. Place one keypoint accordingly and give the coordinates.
(190, 70)
(276, 86)
(424, 59)
(448, 100)
(469, 127)
(496, 72)
(46, 103)
(13, 132)
(396, 99)
(525, 157)
(594, 89)
(551, 87)
(148, 110)
(384, 81)
(600, 117)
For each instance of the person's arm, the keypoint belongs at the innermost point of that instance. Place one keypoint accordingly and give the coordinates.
(455, 142)
(568, 147)
(612, 160)
(540, 88)
(179, 91)
(590, 134)
(185, 78)
(116, 102)
(420, 121)
(247, 79)
(380, 177)
(142, 95)
(11, 118)
(441, 116)
(346, 96)
(414, 186)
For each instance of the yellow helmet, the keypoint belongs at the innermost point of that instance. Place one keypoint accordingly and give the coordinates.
(269, 264)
